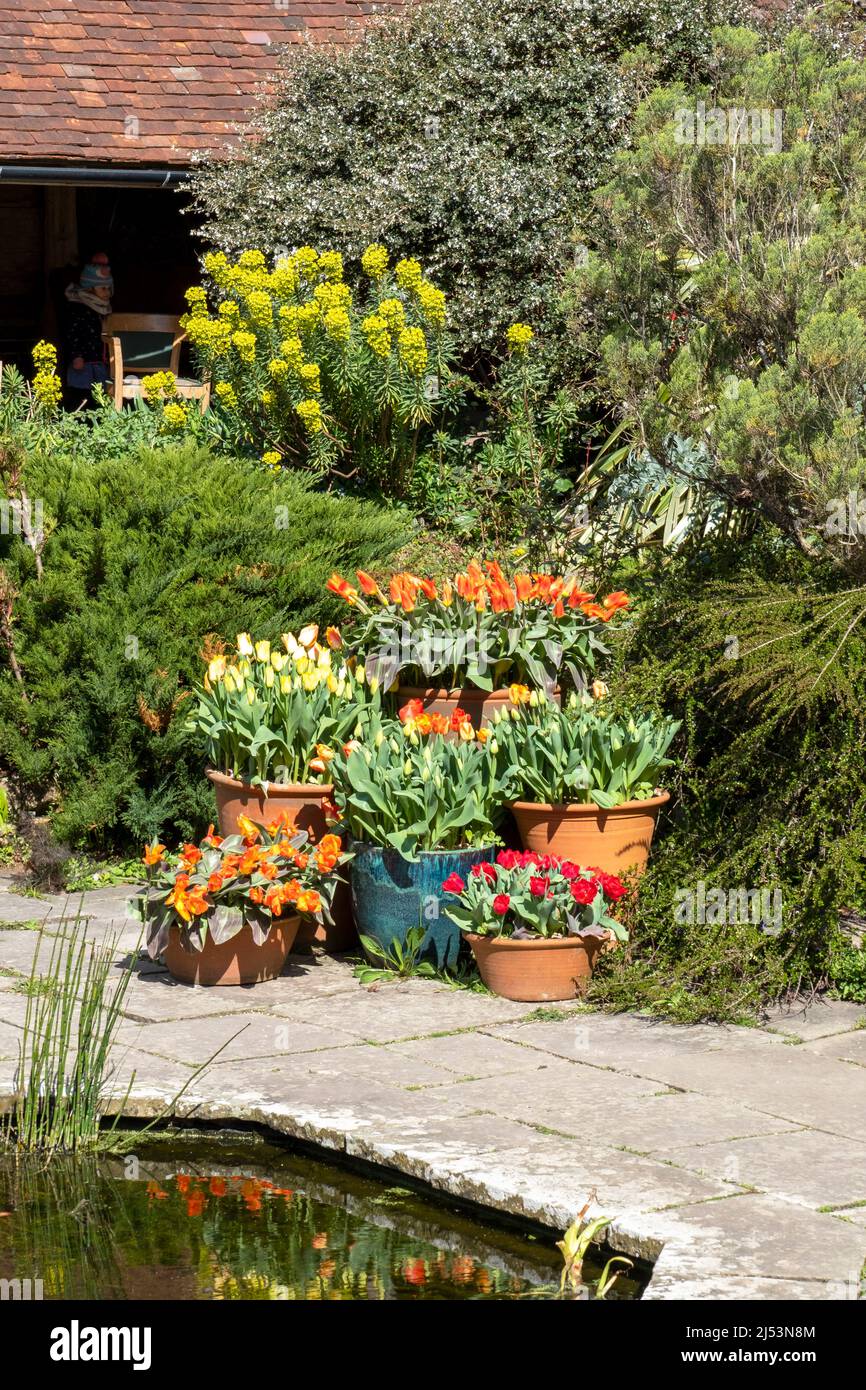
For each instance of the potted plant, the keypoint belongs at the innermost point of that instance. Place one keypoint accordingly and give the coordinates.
(582, 782)
(535, 922)
(461, 643)
(418, 806)
(271, 718)
(226, 911)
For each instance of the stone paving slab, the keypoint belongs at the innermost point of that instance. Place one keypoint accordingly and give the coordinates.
(711, 1148)
(823, 1018)
(809, 1167)
(254, 1035)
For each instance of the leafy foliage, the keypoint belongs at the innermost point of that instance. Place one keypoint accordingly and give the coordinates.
(147, 560)
(766, 670)
(464, 132)
(724, 299)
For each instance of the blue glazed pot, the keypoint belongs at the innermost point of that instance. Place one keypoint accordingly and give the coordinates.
(390, 895)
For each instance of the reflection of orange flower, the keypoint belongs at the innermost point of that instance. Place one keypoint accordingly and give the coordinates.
(462, 1269)
(195, 1203)
(327, 1268)
(415, 1272)
(182, 1180)
(218, 1187)
(320, 1240)
(155, 1192)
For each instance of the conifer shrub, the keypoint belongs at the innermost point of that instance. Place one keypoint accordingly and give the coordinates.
(148, 561)
(766, 666)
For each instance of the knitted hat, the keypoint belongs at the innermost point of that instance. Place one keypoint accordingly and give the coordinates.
(96, 274)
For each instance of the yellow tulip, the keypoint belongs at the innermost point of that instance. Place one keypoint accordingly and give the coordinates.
(407, 768)
(373, 684)
(229, 684)
(467, 733)
(285, 685)
(216, 669)
(303, 665)
(332, 683)
(251, 695)
(270, 677)
(278, 660)
(360, 675)
(310, 681)
(263, 651)
(308, 634)
(245, 644)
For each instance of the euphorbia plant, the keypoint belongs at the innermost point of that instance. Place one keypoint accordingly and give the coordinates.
(276, 716)
(420, 782)
(480, 629)
(222, 884)
(579, 753)
(528, 896)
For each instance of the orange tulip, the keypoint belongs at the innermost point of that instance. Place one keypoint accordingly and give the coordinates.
(524, 586)
(153, 854)
(367, 582)
(248, 828)
(618, 599)
(343, 588)
(428, 588)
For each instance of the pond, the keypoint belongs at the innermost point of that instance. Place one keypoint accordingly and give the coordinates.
(239, 1218)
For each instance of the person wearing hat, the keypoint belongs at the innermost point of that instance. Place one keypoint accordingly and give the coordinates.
(89, 302)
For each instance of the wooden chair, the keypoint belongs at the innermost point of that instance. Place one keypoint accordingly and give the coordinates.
(140, 344)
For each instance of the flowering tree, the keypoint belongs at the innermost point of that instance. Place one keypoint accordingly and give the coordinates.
(312, 373)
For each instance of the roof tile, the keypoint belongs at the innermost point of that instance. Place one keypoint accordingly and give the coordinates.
(190, 70)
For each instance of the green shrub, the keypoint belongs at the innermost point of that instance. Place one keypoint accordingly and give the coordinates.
(144, 557)
(724, 298)
(463, 132)
(320, 373)
(770, 796)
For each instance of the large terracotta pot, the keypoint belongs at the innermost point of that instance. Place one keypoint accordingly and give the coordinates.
(614, 840)
(557, 967)
(480, 705)
(304, 802)
(236, 962)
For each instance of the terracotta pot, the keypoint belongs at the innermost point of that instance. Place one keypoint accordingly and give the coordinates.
(480, 705)
(557, 967)
(304, 803)
(236, 962)
(614, 840)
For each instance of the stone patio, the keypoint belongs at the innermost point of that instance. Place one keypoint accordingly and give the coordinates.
(735, 1158)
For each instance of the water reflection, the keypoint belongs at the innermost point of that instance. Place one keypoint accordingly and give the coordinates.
(237, 1220)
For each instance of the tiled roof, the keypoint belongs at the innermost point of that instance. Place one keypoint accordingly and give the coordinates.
(144, 81)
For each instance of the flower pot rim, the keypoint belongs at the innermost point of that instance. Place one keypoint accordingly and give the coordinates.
(389, 849)
(324, 789)
(531, 942)
(589, 808)
(445, 693)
